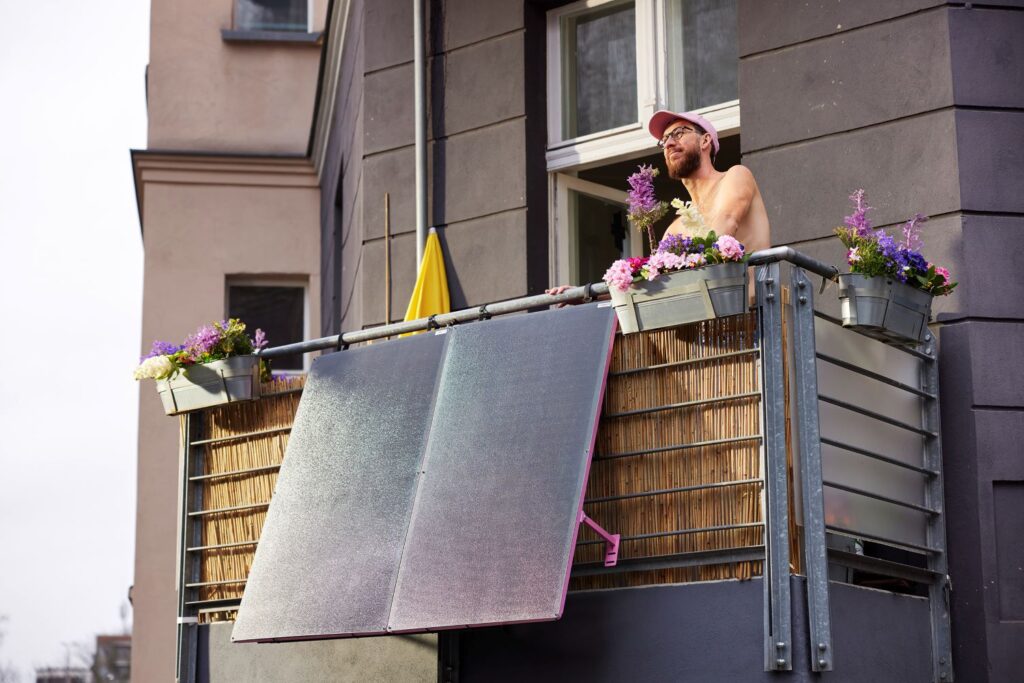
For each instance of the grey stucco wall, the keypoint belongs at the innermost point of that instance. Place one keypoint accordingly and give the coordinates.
(477, 125)
(919, 102)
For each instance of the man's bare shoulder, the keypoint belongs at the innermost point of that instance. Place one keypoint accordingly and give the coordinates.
(739, 174)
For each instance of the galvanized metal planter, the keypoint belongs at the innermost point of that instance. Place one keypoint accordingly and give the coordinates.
(682, 297)
(885, 309)
(211, 384)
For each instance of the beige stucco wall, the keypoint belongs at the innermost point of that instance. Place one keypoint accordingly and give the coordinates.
(203, 219)
(211, 95)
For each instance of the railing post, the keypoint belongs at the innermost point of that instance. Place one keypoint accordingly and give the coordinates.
(189, 562)
(778, 631)
(938, 590)
(805, 366)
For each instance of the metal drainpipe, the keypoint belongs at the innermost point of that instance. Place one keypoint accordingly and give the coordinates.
(420, 105)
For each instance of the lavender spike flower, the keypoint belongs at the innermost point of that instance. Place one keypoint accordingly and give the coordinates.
(644, 208)
(859, 221)
(912, 231)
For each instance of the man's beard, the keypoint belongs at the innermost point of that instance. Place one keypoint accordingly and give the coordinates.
(690, 162)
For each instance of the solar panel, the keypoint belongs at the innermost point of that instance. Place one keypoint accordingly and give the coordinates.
(433, 482)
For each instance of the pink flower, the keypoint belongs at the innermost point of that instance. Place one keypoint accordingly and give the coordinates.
(619, 276)
(730, 247)
(695, 260)
(852, 256)
(943, 272)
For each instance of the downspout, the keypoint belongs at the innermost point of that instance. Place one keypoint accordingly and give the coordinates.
(420, 106)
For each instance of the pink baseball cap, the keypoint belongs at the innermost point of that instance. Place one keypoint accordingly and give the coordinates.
(663, 119)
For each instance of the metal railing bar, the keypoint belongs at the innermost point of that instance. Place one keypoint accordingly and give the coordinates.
(226, 602)
(692, 559)
(838, 362)
(909, 350)
(684, 404)
(881, 539)
(235, 473)
(225, 582)
(878, 456)
(876, 565)
(876, 416)
(679, 447)
(221, 546)
(878, 496)
(688, 361)
(677, 489)
(236, 508)
(239, 437)
(681, 532)
(284, 392)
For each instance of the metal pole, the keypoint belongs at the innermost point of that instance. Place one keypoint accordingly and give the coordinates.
(420, 109)
(809, 438)
(387, 258)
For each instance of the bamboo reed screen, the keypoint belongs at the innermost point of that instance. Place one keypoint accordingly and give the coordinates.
(261, 431)
(703, 381)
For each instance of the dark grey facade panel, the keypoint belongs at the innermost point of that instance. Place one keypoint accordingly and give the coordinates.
(832, 85)
(483, 172)
(997, 376)
(991, 43)
(770, 24)
(393, 172)
(991, 285)
(483, 84)
(906, 166)
(991, 160)
(699, 632)
(472, 21)
(403, 276)
(389, 40)
(487, 258)
(388, 117)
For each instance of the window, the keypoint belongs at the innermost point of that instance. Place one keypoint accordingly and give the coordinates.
(611, 65)
(276, 307)
(272, 15)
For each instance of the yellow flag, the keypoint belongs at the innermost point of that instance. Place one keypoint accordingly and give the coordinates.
(430, 295)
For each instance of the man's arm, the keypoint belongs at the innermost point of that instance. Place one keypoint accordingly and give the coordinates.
(735, 193)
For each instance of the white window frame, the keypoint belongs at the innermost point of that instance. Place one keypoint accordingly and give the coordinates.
(630, 140)
(298, 281)
(562, 247)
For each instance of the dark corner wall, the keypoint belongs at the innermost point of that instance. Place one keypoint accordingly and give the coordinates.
(482, 137)
(921, 103)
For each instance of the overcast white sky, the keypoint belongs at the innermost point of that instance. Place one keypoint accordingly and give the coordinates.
(73, 104)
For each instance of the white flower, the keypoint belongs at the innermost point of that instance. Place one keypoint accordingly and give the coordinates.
(692, 220)
(157, 367)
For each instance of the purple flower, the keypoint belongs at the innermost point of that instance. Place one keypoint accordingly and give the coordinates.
(641, 192)
(911, 231)
(161, 348)
(859, 221)
(203, 341)
(259, 339)
(677, 244)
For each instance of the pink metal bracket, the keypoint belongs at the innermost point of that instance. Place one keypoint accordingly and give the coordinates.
(611, 541)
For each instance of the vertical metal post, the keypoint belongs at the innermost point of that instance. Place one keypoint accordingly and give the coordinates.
(938, 591)
(189, 562)
(778, 642)
(809, 438)
(420, 110)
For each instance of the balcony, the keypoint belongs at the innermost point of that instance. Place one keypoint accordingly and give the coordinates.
(775, 480)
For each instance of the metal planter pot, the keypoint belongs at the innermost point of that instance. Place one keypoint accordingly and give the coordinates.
(211, 384)
(885, 309)
(682, 297)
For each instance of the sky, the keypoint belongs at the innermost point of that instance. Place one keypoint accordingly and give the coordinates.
(72, 76)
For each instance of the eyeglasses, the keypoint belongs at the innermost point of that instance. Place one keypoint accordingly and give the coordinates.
(675, 135)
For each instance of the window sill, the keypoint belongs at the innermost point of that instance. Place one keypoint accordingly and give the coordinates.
(288, 37)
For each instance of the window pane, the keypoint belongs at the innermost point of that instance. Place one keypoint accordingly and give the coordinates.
(703, 57)
(270, 15)
(278, 311)
(599, 70)
(602, 235)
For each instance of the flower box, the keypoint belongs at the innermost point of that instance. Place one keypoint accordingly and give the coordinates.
(211, 384)
(884, 308)
(681, 297)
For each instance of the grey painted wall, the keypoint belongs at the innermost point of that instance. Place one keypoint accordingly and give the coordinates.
(922, 104)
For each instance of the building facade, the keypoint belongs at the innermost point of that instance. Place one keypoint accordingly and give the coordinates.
(535, 114)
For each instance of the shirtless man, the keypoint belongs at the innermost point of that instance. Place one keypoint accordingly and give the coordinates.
(730, 202)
